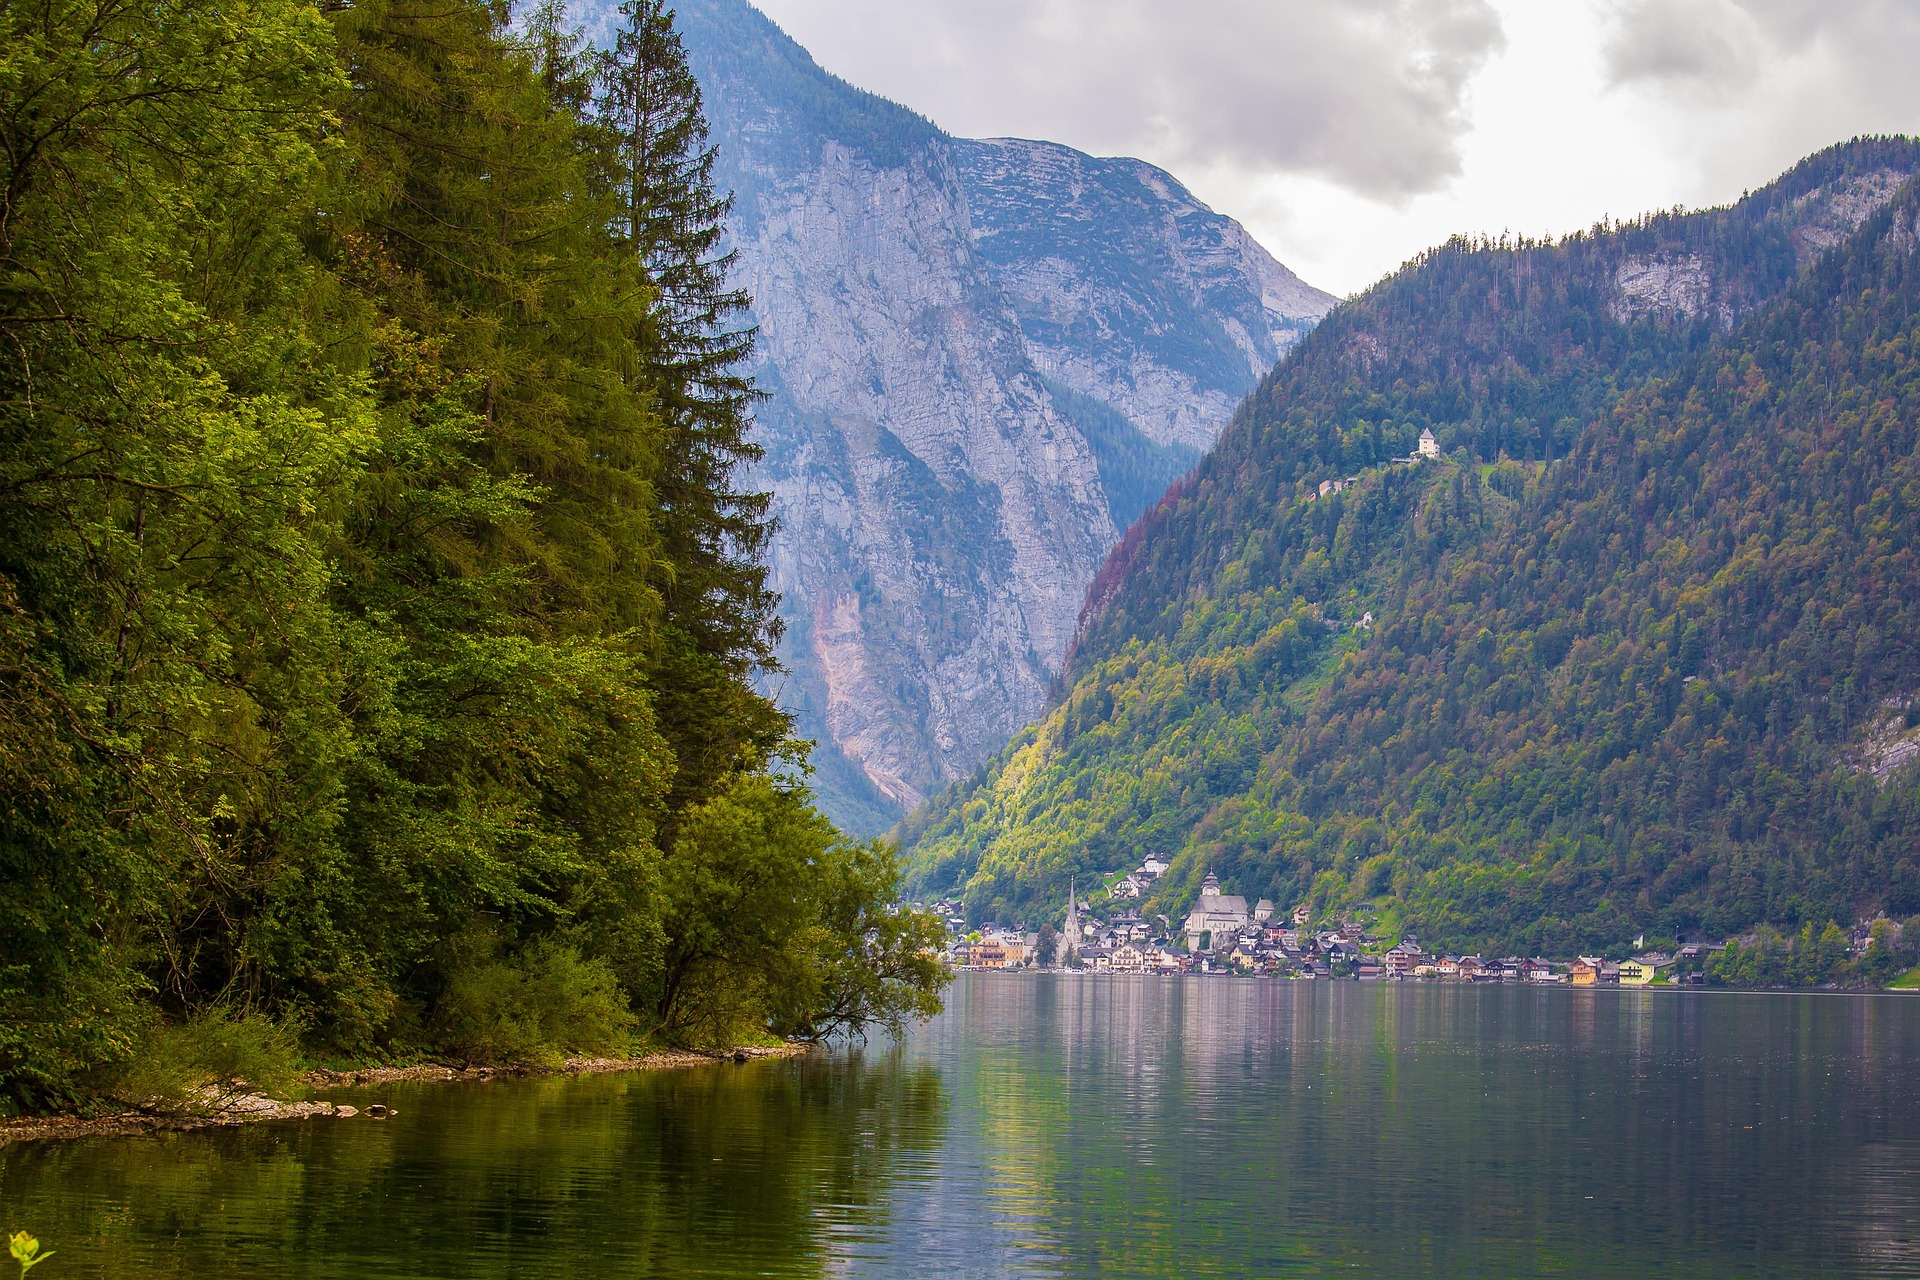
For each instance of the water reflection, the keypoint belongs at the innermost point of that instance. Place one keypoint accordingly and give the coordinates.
(768, 1169)
(1058, 1126)
(1220, 1127)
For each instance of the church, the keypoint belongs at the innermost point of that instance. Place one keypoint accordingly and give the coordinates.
(1221, 915)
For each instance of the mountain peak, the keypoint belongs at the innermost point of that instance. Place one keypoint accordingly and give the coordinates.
(983, 360)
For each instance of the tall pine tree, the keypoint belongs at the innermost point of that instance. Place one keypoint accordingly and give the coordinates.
(720, 625)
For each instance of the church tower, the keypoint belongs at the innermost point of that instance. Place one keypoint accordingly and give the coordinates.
(1071, 933)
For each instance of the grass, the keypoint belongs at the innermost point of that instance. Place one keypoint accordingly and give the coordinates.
(1910, 982)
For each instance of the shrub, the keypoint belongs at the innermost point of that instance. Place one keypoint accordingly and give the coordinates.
(209, 1061)
(534, 1008)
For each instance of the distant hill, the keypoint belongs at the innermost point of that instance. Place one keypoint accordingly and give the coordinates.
(1640, 653)
(983, 361)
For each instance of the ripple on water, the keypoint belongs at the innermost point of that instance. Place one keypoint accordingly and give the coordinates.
(1055, 1126)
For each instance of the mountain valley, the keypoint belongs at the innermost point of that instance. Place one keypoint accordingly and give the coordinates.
(982, 360)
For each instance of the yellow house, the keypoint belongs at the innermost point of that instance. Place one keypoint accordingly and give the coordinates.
(1635, 974)
(990, 954)
(1583, 974)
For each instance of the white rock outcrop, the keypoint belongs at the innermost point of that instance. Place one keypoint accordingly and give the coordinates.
(968, 350)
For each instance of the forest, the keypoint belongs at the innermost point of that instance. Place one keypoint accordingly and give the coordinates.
(380, 598)
(1638, 656)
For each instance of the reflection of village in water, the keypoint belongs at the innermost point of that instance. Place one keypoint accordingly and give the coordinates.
(1223, 935)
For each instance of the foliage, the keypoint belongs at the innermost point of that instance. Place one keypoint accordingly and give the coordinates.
(1630, 645)
(1810, 958)
(770, 907)
(537, 1007)
(208, 1061)
(373, 570)
(1047, 945)
(864, 962)
(717, 619)
(26, 1251)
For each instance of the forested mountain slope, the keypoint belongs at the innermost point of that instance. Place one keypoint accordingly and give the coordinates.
(983, 360)
(1642, 652)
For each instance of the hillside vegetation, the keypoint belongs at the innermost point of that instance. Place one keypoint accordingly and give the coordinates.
(1644, 648)
(379, 607)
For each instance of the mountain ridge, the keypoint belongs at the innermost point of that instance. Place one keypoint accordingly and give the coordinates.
(948, 470)
(1298, 693)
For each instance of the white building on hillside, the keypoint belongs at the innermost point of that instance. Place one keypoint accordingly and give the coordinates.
(1429, 447)
(1221, 915)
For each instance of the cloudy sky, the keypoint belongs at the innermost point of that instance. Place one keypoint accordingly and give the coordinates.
(1350, 134)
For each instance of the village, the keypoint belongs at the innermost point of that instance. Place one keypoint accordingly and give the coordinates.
(1223, 935)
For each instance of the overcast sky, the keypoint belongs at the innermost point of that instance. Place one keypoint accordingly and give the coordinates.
(1350, 134)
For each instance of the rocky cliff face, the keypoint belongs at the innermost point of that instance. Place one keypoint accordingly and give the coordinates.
(982, 360)
(1127, 289)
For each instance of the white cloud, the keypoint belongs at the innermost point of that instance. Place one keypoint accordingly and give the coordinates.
(1708, 47)
(1369, 93)
(1746, 86)
(1351, 134)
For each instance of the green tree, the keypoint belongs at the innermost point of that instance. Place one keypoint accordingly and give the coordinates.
(359, 672)
(719, 624)
(173, 457)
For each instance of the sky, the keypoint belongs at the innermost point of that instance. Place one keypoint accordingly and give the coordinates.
(1349, 135)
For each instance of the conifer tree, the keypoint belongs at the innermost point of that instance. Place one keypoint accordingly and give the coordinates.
(672, 221)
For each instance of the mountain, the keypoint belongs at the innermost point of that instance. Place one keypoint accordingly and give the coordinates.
(1639, 653)
(982, 361)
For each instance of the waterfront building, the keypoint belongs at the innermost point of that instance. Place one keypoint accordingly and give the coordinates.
(988, 953)
(1633, 973)
(1220, 915)
(1404, 959)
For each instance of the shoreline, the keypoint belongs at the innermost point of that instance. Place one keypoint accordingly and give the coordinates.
(1439, 983)
(254, 1108)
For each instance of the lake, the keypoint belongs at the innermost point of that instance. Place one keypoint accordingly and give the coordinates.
(1053, 1125)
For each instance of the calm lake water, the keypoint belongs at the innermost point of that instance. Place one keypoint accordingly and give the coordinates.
(1059, 1126)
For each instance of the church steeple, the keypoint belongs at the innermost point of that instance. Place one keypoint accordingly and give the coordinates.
(1071, 932)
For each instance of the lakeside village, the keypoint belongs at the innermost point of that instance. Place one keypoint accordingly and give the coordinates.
(1223, 935)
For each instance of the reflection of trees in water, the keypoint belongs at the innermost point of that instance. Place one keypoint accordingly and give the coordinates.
(711, 1171)
(1226, 1127)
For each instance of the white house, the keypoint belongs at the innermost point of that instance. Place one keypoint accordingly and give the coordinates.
(1429, 447)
